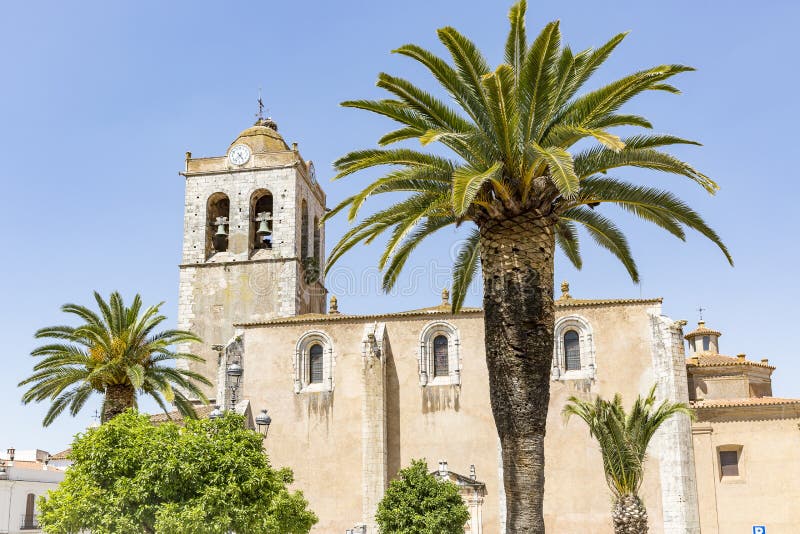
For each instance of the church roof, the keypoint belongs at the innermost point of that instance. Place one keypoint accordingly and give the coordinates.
(712, 359)
(747, 401)
(702, 330)
(263, 136)
(441, 309)
(63, 455)
(566, 300)
(201, 411)
(315, 317)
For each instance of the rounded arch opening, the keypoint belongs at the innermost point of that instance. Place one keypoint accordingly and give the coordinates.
(303, 229)
(317, 242)
(261, 214)
(218, 210)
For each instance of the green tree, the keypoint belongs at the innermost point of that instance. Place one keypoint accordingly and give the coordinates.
(207, 477)
(523, 161)
(418, 503)
(623, 438)
(117, 353)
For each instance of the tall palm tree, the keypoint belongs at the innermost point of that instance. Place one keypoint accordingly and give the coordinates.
(623, 438)
(117, 353)
(527, 165)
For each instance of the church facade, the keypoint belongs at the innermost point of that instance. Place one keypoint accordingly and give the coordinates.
(354, 398)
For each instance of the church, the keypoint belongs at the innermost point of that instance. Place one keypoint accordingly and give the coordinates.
(354, 398)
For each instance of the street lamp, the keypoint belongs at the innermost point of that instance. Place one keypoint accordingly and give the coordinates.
(263, 420)
(234, 372)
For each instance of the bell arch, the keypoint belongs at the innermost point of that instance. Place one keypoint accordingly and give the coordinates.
(218, 210)
(261, 214)
(303, 229)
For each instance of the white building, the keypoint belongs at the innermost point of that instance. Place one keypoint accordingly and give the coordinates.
(24, 476)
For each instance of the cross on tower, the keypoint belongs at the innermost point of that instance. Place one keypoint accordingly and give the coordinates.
(701, 309)
(260, 114)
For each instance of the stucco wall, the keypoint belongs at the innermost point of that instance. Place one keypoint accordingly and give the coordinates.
(768, 490)
(319, 435)
(14, 494)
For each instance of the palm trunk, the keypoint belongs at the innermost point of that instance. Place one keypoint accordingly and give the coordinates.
(517, 264)
(119, 397)
(629, 515)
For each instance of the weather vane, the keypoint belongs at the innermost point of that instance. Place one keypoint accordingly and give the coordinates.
(260, 114)
(701, 309)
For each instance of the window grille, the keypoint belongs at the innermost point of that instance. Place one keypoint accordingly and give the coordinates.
(441, 364)
(572, 351)
(315, 362)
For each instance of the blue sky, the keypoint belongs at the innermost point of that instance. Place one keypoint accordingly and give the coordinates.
(100, 100)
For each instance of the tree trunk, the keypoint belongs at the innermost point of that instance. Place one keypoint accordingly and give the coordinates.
(119, 397)
(629, 515)
(517, 264)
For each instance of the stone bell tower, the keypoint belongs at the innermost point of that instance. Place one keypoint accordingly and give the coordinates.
(252, 244)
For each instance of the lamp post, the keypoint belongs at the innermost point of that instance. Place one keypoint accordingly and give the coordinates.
(234, 372)
(263, 420)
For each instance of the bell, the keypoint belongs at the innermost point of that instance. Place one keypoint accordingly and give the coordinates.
(221, 222)
(263, 229)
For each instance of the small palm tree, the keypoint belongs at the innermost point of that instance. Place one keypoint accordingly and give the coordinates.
(118, 354)
(523, 159)
(623, 438)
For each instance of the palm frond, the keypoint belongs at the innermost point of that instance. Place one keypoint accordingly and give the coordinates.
(465, 267)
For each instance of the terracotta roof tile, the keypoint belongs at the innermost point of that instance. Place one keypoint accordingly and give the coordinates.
(749, 401)
(702, 330)
(712, 359)
(442, 309)
(63, 455)
(202, 412)
(31, 466)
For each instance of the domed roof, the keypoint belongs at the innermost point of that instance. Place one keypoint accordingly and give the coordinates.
(263, 136)
(701, 330)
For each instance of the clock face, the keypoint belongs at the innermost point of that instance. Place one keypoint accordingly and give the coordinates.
(239, 154)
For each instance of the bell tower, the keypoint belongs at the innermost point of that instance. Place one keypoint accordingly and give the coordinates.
(252, 244)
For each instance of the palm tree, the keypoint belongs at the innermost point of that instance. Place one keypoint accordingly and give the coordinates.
(623, 439)
(517, 176)
(118, 354)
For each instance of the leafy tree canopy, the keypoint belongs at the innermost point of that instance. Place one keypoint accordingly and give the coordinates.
(207, 477)
(418, 503)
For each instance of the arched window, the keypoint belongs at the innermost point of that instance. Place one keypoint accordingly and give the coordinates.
(441, 365)
(315, 364)
(304, 230)
(317, 240)
(217, 223)
(261, 210)
(29, 520)
(572, 351)
(439, 359)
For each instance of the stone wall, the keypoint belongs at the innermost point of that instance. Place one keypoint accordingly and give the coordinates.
(220, 289)
(333, 440)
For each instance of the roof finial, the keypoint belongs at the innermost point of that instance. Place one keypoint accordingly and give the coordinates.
(700, 310)
(565, 290)
(260, 114)
(445, 297)
(334, 307)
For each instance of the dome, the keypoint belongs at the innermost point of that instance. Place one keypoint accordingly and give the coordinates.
(263, 136)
